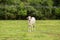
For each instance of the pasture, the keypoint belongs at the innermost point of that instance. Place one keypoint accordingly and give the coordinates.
(18, 30)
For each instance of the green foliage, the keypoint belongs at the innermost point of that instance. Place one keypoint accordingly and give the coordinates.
(41, 9)
(22, 12)
(57, 10)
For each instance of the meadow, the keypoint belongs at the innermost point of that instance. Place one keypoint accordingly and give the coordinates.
(18, 30)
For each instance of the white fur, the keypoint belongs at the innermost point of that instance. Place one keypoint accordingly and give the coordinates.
(31, 23)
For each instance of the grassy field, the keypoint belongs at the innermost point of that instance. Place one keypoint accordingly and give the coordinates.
(18, 30)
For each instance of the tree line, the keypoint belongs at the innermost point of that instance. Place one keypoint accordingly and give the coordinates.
(20, 9)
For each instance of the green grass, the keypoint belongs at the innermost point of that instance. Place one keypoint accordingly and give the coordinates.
(18, 30)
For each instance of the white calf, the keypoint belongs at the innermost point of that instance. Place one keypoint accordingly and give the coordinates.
(31, 23)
